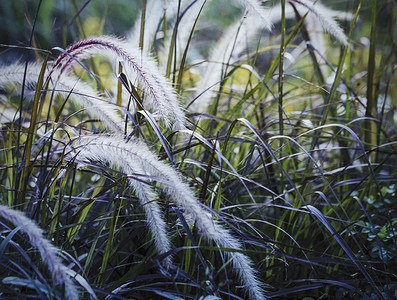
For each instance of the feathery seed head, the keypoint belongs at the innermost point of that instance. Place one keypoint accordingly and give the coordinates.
(48, 252)
(325, 18)
(131, 159)
(134, 157)
(161, 96)
(254, 7)
(66, 86)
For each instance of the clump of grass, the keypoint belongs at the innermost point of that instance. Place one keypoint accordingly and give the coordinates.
(275, 177)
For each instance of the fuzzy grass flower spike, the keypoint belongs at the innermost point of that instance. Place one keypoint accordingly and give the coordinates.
(48, 252)
(161, 97)
(135, 158)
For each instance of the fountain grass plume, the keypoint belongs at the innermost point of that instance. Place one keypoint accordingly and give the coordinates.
(49, 254)
(228, 50)
(189, 12)
(254, 6)
(161, 96)
(326, 19)
(153, 18)
(135, 157)
(233, 41)
(95, 103)
(100, 150)
(65, 86)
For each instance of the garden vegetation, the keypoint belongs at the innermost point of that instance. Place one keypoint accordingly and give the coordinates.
(201, 149)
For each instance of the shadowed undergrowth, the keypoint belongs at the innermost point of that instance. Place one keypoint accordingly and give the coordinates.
(239, 151)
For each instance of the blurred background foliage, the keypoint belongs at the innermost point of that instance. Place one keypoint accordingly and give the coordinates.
(57, 22)
(60, 23)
